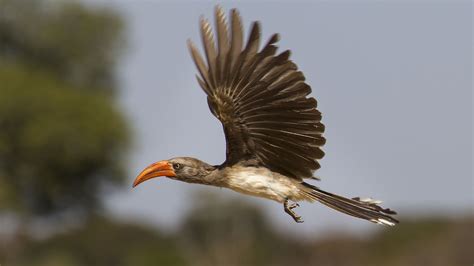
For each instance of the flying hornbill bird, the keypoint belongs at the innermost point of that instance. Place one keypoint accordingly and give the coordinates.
(272, 128)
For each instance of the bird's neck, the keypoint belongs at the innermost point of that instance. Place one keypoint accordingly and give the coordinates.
(211, 175)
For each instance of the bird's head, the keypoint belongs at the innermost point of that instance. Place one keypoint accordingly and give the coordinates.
(185, 169)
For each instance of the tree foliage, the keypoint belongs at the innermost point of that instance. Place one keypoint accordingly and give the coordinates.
(57, 145)
(61, 135)
(80, 45)
(204, 238)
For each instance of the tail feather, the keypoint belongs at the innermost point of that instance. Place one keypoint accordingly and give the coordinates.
(367, 209)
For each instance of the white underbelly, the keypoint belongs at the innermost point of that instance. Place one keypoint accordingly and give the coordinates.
(263, 183)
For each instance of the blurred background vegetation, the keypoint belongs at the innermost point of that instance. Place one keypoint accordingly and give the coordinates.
(62, 143)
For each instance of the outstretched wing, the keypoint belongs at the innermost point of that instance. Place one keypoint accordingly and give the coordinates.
(260, 98)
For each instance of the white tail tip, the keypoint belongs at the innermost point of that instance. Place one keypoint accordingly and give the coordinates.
(383, 222)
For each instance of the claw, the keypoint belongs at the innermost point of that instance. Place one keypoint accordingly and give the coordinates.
(298, 219)
(289, 209)
(293, 205)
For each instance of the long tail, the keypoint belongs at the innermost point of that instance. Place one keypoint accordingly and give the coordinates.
(367, 209)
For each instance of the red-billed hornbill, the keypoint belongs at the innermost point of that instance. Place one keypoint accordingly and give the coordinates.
(272, 128)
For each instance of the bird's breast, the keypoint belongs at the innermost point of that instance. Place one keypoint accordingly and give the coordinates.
(261, 182)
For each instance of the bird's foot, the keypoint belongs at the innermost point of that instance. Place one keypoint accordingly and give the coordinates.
(289, 209)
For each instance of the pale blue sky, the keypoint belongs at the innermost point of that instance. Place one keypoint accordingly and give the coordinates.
(393, 81)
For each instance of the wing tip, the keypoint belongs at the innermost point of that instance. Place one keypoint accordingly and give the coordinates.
(190, 44)
(218, 10)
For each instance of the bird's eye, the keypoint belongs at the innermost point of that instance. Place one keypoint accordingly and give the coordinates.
(176, 166)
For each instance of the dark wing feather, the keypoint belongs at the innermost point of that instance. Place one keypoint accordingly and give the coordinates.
(260, 98)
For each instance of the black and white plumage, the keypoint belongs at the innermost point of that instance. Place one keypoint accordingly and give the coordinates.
(272, 127)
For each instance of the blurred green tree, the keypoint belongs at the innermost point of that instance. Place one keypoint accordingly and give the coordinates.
(57, 145)
(61, 136)
(219, 231)
(104, 242)
(78, 44)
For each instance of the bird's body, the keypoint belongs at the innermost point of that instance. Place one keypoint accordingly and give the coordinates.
(261, 182)
(273, 130)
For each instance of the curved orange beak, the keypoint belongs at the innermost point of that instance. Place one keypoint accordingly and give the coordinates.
(161, 168)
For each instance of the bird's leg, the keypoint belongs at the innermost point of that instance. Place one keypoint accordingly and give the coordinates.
(289, 209)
